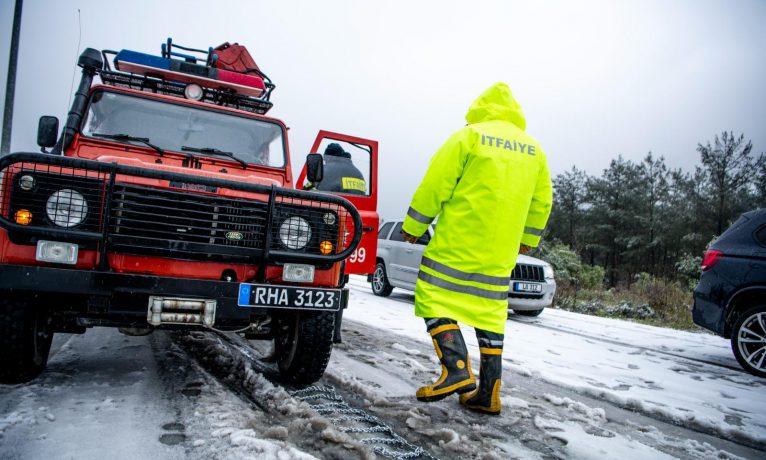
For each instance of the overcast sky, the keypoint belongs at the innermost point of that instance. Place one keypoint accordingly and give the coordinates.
(595, 78)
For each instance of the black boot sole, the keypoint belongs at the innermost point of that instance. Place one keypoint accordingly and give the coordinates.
(439, 397)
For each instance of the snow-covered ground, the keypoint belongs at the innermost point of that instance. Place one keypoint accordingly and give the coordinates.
(672, 378)
(691, 379)
(108, 396)
(574, 386)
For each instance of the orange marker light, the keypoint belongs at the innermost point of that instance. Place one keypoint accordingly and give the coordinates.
(325, 247)
(23, 217)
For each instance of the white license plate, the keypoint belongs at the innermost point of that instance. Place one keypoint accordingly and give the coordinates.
(264, 295)
(527, 287)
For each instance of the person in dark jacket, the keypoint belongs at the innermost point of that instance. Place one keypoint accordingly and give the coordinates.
(340, 174)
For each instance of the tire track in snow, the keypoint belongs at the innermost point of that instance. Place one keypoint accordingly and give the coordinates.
(231, 360)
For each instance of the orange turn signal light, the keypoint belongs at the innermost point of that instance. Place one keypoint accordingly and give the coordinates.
(23, 217)
(325, 247)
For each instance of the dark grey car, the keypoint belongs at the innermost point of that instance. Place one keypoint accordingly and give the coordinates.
(730, 298)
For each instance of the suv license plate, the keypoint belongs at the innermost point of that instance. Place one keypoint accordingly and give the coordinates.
(527, 287)
(265, 295)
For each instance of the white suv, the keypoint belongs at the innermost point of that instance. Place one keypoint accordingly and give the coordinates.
(531, 289)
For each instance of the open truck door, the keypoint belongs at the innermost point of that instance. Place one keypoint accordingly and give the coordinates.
(357, 182)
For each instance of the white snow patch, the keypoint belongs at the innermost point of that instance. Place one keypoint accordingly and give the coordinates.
(581, 445)
(594, 414)
(262, 448)
(402, 348)
(276, 432)
(511, 402)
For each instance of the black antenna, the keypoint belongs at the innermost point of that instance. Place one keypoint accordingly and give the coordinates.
(10, 86)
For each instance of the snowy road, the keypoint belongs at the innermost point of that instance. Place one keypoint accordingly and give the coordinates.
(679, 392)
(574, 386)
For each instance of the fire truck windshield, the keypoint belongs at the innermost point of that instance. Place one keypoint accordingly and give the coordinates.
(171, 126)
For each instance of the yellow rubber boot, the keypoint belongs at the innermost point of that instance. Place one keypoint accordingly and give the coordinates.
(486, 398)
(457, 376)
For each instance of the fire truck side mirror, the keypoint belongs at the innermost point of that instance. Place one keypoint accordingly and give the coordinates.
(47, 130)
(314, 168)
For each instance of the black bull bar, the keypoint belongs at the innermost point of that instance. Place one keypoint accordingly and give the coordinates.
(175, 215)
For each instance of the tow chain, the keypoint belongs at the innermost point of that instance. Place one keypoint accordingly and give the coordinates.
(327, 402)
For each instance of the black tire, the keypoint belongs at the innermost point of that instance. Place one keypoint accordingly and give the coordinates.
(379, 283)
(748, 340)
(303, 345)
(528, 312)
(25, 339)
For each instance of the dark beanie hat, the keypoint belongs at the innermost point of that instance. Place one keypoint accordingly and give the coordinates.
(336, 150)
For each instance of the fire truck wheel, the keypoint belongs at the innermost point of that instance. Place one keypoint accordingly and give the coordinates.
(303, 345)
(25, 339)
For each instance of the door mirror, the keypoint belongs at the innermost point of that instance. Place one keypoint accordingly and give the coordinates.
(314, 168)
(47, 131)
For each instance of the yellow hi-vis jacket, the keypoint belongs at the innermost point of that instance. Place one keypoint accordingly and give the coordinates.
(490, 187)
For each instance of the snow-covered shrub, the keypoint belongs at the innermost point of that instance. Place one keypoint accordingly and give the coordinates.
(592, 307)
(566, 263)
(569, 268)
(689, 269)
(630, 310)
(591, 276)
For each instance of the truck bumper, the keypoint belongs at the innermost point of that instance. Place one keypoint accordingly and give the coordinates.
(92, 298)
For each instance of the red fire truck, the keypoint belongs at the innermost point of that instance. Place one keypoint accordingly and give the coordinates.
(168, 202)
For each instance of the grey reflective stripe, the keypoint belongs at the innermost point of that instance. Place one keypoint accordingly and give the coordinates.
(434, 322)
(423, 219)
(471, 290)
(465, 276)
(533, 231)
(490, 343)
(431, 322)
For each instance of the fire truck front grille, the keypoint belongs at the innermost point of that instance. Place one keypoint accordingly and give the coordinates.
(524, 272)
(153, 221)
(159, 214)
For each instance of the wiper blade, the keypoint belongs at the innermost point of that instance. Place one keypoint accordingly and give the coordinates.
(213, 151)
(129, 138)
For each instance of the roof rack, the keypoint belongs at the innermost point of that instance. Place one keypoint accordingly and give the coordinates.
(168, 53)
(164, 75)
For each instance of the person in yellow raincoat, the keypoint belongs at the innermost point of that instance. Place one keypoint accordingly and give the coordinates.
(490, 187)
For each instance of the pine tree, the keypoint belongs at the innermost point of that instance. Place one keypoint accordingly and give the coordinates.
(612, 230)
(567, 215)
(653, 177)
(730, 167)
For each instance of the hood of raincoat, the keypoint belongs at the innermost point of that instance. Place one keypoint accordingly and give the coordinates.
(496, 103)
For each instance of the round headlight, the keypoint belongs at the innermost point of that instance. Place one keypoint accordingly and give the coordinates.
(193, 91)
(27, 182)
(67, 208)
(295, 232)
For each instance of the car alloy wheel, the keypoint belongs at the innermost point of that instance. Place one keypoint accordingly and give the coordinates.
(748, 340)
(380, 285)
